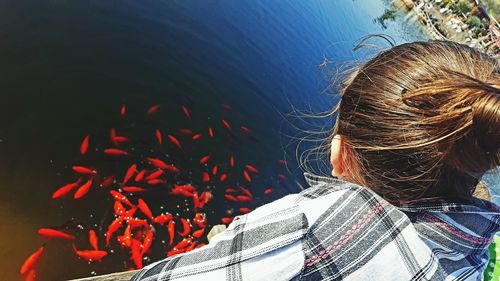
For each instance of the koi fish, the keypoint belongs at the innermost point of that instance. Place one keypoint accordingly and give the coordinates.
(246, 191)
(130, 172)
(136, 253)
(175, 141)
(154, 175)
(84, 147)
(140, 176)
(184, 243)
(128, 214)
(90, 255)
(31, 275)
(65, 189)
(196, 136)
(93, 240)
(196, 200)
(155, 181)
(118, 196)
(185, 132)
(200, 219)
(186, 112)
(144, 208)
(247, 176)
(174, 251)
(119, 209)
(226, 220)
(198, 233)
(112, 228)
(162, 165)
(204, 159)
(134, 223)
(211, 132)
(50, 233)
(214, 169)
(123, 110)
(251, 168)
(158, 136)
(82, 190)
(148, 241)
(134, 189)
(186, 227)
(171, 231)
(153, 109)
(115, 152)
(245, 210)
(127, 237)
(162, 219)
(118, 140)
(230, 197)
(226, 106)
(226, 124)
(205, 177)
(107, 181)
(206, 196)
(245, 130)
(231, 160)
(83, 170)
(243, 198)
(282, 177)
(31, 262)
(231, 190)
(223, 177)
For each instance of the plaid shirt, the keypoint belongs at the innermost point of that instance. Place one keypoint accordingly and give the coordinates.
(336, 230)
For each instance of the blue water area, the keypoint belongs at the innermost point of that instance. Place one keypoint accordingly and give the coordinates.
(66, 67)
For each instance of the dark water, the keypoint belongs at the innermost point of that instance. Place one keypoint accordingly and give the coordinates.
(66, 67)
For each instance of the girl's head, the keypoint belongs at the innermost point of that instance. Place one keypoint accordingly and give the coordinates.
(419, 120)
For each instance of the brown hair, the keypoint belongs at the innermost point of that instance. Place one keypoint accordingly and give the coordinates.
(421, 119)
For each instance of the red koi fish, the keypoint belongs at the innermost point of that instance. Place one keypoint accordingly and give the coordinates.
(148, 241)
(171, 231)
(245, 210)
(175, 141)
(206, 196)
(179, 190)
(174, 251)
(93, 240)
(245, 130)
(226, 106)
(119, 140)
(223, 177)
(130, 172)
(158, 136)
(153, 109)
(31, 262)
(244, 198)
(226, 220)
(84, 170)
(246, 191)
(140, 176)
(127, 237)
(282, 177)
(196, 136)
(84, 147)
(185, 132)
(65, 189)
(112, 228)
(226, 124)
(90, 255)
(155, 181)
(136, 253)
(198, 233)
(119, 209)
(205, 177)
(155, 175)
(211, 132)
(134, 223)
(231, 160)
(82, 190)
(128, 214)
(120, 197)
(204, 159)
(134, 189)
(162, 219)
(186, 112)
(31, 275)
(186, 227)
(184, 243)
(230, 197)
(231, 190)
(115, 152)
(196, 201)
(49, 233)
(145, 209)
(162, 165)
(107, 181)
(247, 176)
(214, 169)
(123, 110)
(251, 168)
(200, 219)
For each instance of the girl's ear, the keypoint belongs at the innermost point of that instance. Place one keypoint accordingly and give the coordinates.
(336, 156)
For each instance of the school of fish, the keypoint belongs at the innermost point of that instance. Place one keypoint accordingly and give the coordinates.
(135, 225)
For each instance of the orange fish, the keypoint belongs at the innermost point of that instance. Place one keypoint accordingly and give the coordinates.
(127, 236)
(268, 191)
(223, 177)
(123, 110)
(118, 140)
(226, 124)
(83, 170)
(148, 241)
(112, 228)
(50, 233)
(31, 275)
(214, 169)
(251, 168)
(205, 177)
(107, 181)
(174, 251)
(206, 196)
(171, 231)
(204, 159)
(282, 177)
(175, 141)
(144, 209)
(155, 181)
(246, 191)
(196, 136)
(84, 147)
(186, 112)
(186, 227)
(140, 176)
(184, 243)
(128, 214)
(231, 160)
(162, 219)
(119, 209)
(231, 190)
(137, 223)
(245, 210)
(134, 189)
(93, 240)
(162, 165)
(90, 255)
(227, 220)
(31, 262)
(65, 189)
(200, 219)
(115, 152)
(247, 176)
(136, 253)
(82, 190)
(243, 198)
(158, 136)
(196, 201)
(153, 109)
(198, 233)
(154, 175)
(245, 130)
(211, 132)
(118, 196)
(130, 172)
(185, 132)
(230, 197)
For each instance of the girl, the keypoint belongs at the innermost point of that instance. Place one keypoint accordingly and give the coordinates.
(417, 127)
